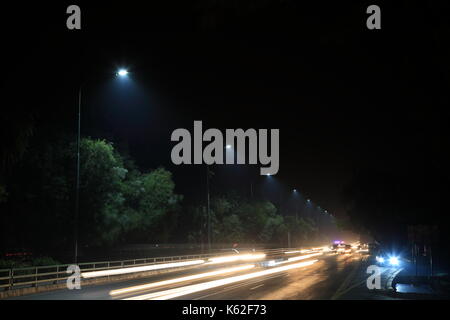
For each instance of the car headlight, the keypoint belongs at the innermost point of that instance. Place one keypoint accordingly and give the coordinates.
(380, 259)
(394, 261)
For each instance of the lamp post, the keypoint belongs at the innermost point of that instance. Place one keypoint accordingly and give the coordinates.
(121, 73)
(208, 207)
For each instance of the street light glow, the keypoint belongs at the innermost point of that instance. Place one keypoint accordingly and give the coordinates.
(122, 72)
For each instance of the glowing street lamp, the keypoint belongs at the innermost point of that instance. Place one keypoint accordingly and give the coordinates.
(122, 73)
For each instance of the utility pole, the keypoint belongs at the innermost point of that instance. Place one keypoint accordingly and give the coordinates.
(208, 208)
(289, 239)
(77, 192)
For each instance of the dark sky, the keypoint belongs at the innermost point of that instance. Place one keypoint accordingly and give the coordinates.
(344, 97)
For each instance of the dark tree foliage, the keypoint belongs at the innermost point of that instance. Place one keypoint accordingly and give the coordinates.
(117, 202)
(239, 220)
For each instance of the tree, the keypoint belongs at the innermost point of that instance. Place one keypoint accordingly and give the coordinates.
(231, 229)
(151, 206)
(117, 202)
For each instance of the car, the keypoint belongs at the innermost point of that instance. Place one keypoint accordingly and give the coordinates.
(337, 246)
(363, 249)
(348, 248)
(341, 248)
(385, 259)
(334, 247)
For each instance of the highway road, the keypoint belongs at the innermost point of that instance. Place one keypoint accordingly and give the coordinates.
(306, 276)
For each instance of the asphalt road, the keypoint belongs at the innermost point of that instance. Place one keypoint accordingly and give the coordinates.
(326, 276)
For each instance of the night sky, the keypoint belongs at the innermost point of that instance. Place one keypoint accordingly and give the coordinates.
(344, 97)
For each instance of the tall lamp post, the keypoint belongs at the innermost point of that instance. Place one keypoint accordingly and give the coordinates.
(208, 207)
(121, 73)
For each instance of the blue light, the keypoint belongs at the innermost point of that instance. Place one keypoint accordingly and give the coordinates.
(122, 73)
(394, 261)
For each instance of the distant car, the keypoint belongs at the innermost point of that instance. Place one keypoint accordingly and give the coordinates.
(337, 246)
(363, 248)
(340, 248)
(348, 249)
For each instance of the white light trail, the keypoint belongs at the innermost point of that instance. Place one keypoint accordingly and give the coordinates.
(295, 251)
(181, 279)
(173, 293)
(103, 273)
(240, 257)
(306, 256)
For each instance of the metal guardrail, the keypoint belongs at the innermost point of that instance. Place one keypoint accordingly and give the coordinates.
(46, 275)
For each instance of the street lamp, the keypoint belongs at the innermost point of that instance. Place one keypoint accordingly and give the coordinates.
(208, 207)
(121, 73)
(208, 201)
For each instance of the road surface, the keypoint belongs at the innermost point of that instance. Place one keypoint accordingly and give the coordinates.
(316, 276)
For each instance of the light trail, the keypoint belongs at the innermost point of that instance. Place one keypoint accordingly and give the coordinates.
(215, 260)
(177, 292)
(306, 256)
(103, 273)
(241, 257)
(306, 250)
(181, 279)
